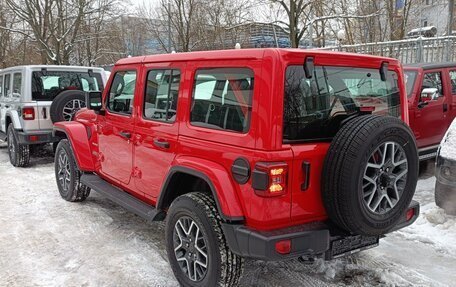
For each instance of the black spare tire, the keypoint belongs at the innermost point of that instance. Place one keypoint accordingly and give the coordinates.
(370, 174)
(66, 104)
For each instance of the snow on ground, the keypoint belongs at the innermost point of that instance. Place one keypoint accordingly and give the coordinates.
(46, 241)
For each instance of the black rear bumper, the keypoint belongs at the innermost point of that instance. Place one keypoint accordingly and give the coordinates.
(36, 137)
(314, 239)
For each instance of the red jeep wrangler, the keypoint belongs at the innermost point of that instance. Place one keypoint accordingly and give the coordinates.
(431, 90)
(265, 153)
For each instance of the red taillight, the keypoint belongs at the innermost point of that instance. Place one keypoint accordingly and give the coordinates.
(33, 138)
(409, 215)
(283, 246)
(270, 179)
(28, 113)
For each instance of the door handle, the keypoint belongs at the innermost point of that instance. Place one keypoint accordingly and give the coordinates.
(125, 134)
(445, 107)
(161, 143)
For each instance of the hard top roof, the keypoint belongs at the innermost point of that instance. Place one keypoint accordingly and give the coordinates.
(238, 54)
(51, 67)
(429, 66)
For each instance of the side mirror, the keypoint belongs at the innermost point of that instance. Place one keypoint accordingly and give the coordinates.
(94, 101)
(429, 94)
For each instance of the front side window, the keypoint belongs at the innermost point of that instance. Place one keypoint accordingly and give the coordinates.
(121, 94)
(432, 88)
(46, 85)
(1, 86)
(314, 108)
(453, 82)
(160, 101)
(17, 84)
(222, 99)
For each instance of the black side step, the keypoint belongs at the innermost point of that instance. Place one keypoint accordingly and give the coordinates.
(121, 197)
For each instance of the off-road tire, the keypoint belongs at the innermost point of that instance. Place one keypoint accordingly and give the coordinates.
(61, 100)
(445, 197)
(224, 267)
(19, 154)
(344, 168)
(74, 191)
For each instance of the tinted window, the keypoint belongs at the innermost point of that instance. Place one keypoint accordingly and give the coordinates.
(46, 85)
(6, 86)
(121, 94)
(160, 102)
(222, 99)
(1, 85)
(314, 108)
(432, 80)
(453, 81)
(410, 77)
(17, 83)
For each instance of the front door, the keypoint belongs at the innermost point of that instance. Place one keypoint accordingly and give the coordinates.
(115, 133)
(431, 116)
(157, 127)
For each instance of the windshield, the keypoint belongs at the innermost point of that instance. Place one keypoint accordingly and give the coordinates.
(47, 85)
(409, 77)
(314, 108)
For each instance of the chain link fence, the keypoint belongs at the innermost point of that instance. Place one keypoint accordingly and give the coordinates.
(420, 50)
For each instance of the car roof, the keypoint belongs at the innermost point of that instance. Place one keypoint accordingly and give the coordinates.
(51, 67)
(239, 54)
(429, 66)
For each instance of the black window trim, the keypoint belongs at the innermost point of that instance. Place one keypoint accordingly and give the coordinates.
(109, 92)
(209, 126)
(169, 90)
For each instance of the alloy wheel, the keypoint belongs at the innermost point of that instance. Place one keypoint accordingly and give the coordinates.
(64, 172)
(71, 107)
(385, 177)
(190, 248)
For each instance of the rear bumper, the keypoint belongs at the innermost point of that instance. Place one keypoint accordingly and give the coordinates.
(314, 239)
(35, 137)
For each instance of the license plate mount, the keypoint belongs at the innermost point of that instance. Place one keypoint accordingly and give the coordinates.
(347, 245)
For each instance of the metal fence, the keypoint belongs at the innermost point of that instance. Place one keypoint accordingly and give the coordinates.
(420, 50)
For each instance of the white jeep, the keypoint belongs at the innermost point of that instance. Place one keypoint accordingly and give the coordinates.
(32, 98)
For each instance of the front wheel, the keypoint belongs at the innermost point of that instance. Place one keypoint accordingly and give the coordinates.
(67, 174)
(196, 246)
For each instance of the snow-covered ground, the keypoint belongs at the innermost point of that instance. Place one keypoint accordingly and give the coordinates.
(46, 241)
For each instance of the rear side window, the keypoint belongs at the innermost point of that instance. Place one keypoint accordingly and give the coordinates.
(17, 84)
(46, 85)
(122, 92)
(453, 82)
(6, 87)
(315, 108)
(222, 99)
(162, 89)
(1, 85)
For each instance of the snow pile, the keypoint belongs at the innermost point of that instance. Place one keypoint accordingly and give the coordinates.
(448, 144)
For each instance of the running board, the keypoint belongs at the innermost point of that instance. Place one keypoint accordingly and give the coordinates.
(121, 197)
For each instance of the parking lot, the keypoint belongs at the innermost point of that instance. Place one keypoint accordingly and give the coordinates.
(46, 241)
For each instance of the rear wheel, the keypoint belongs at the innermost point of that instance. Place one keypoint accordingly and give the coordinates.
(196, 246)
(19, 154)
(67, 174)
(445, 198)
(370, 174)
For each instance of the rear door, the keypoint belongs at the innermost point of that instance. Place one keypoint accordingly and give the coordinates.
(115, 132)
(432, 108)
(157, 127)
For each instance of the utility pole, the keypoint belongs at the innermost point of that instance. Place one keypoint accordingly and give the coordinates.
(450, 17)
(169, 27)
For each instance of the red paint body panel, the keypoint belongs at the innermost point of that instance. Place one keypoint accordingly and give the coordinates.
(77, 135)
(140, 168)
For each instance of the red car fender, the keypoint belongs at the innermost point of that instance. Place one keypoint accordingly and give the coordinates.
(79, 139)
(218, 180)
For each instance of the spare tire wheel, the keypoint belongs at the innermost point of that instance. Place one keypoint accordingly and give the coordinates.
(66, 104)
(370, 174)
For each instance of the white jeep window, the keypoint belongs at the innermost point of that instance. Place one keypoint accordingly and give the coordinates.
(1, 86)
(122, 92)
(17, 84)
(6, 86)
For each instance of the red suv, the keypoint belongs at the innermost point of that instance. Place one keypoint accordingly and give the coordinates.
(265, 153)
